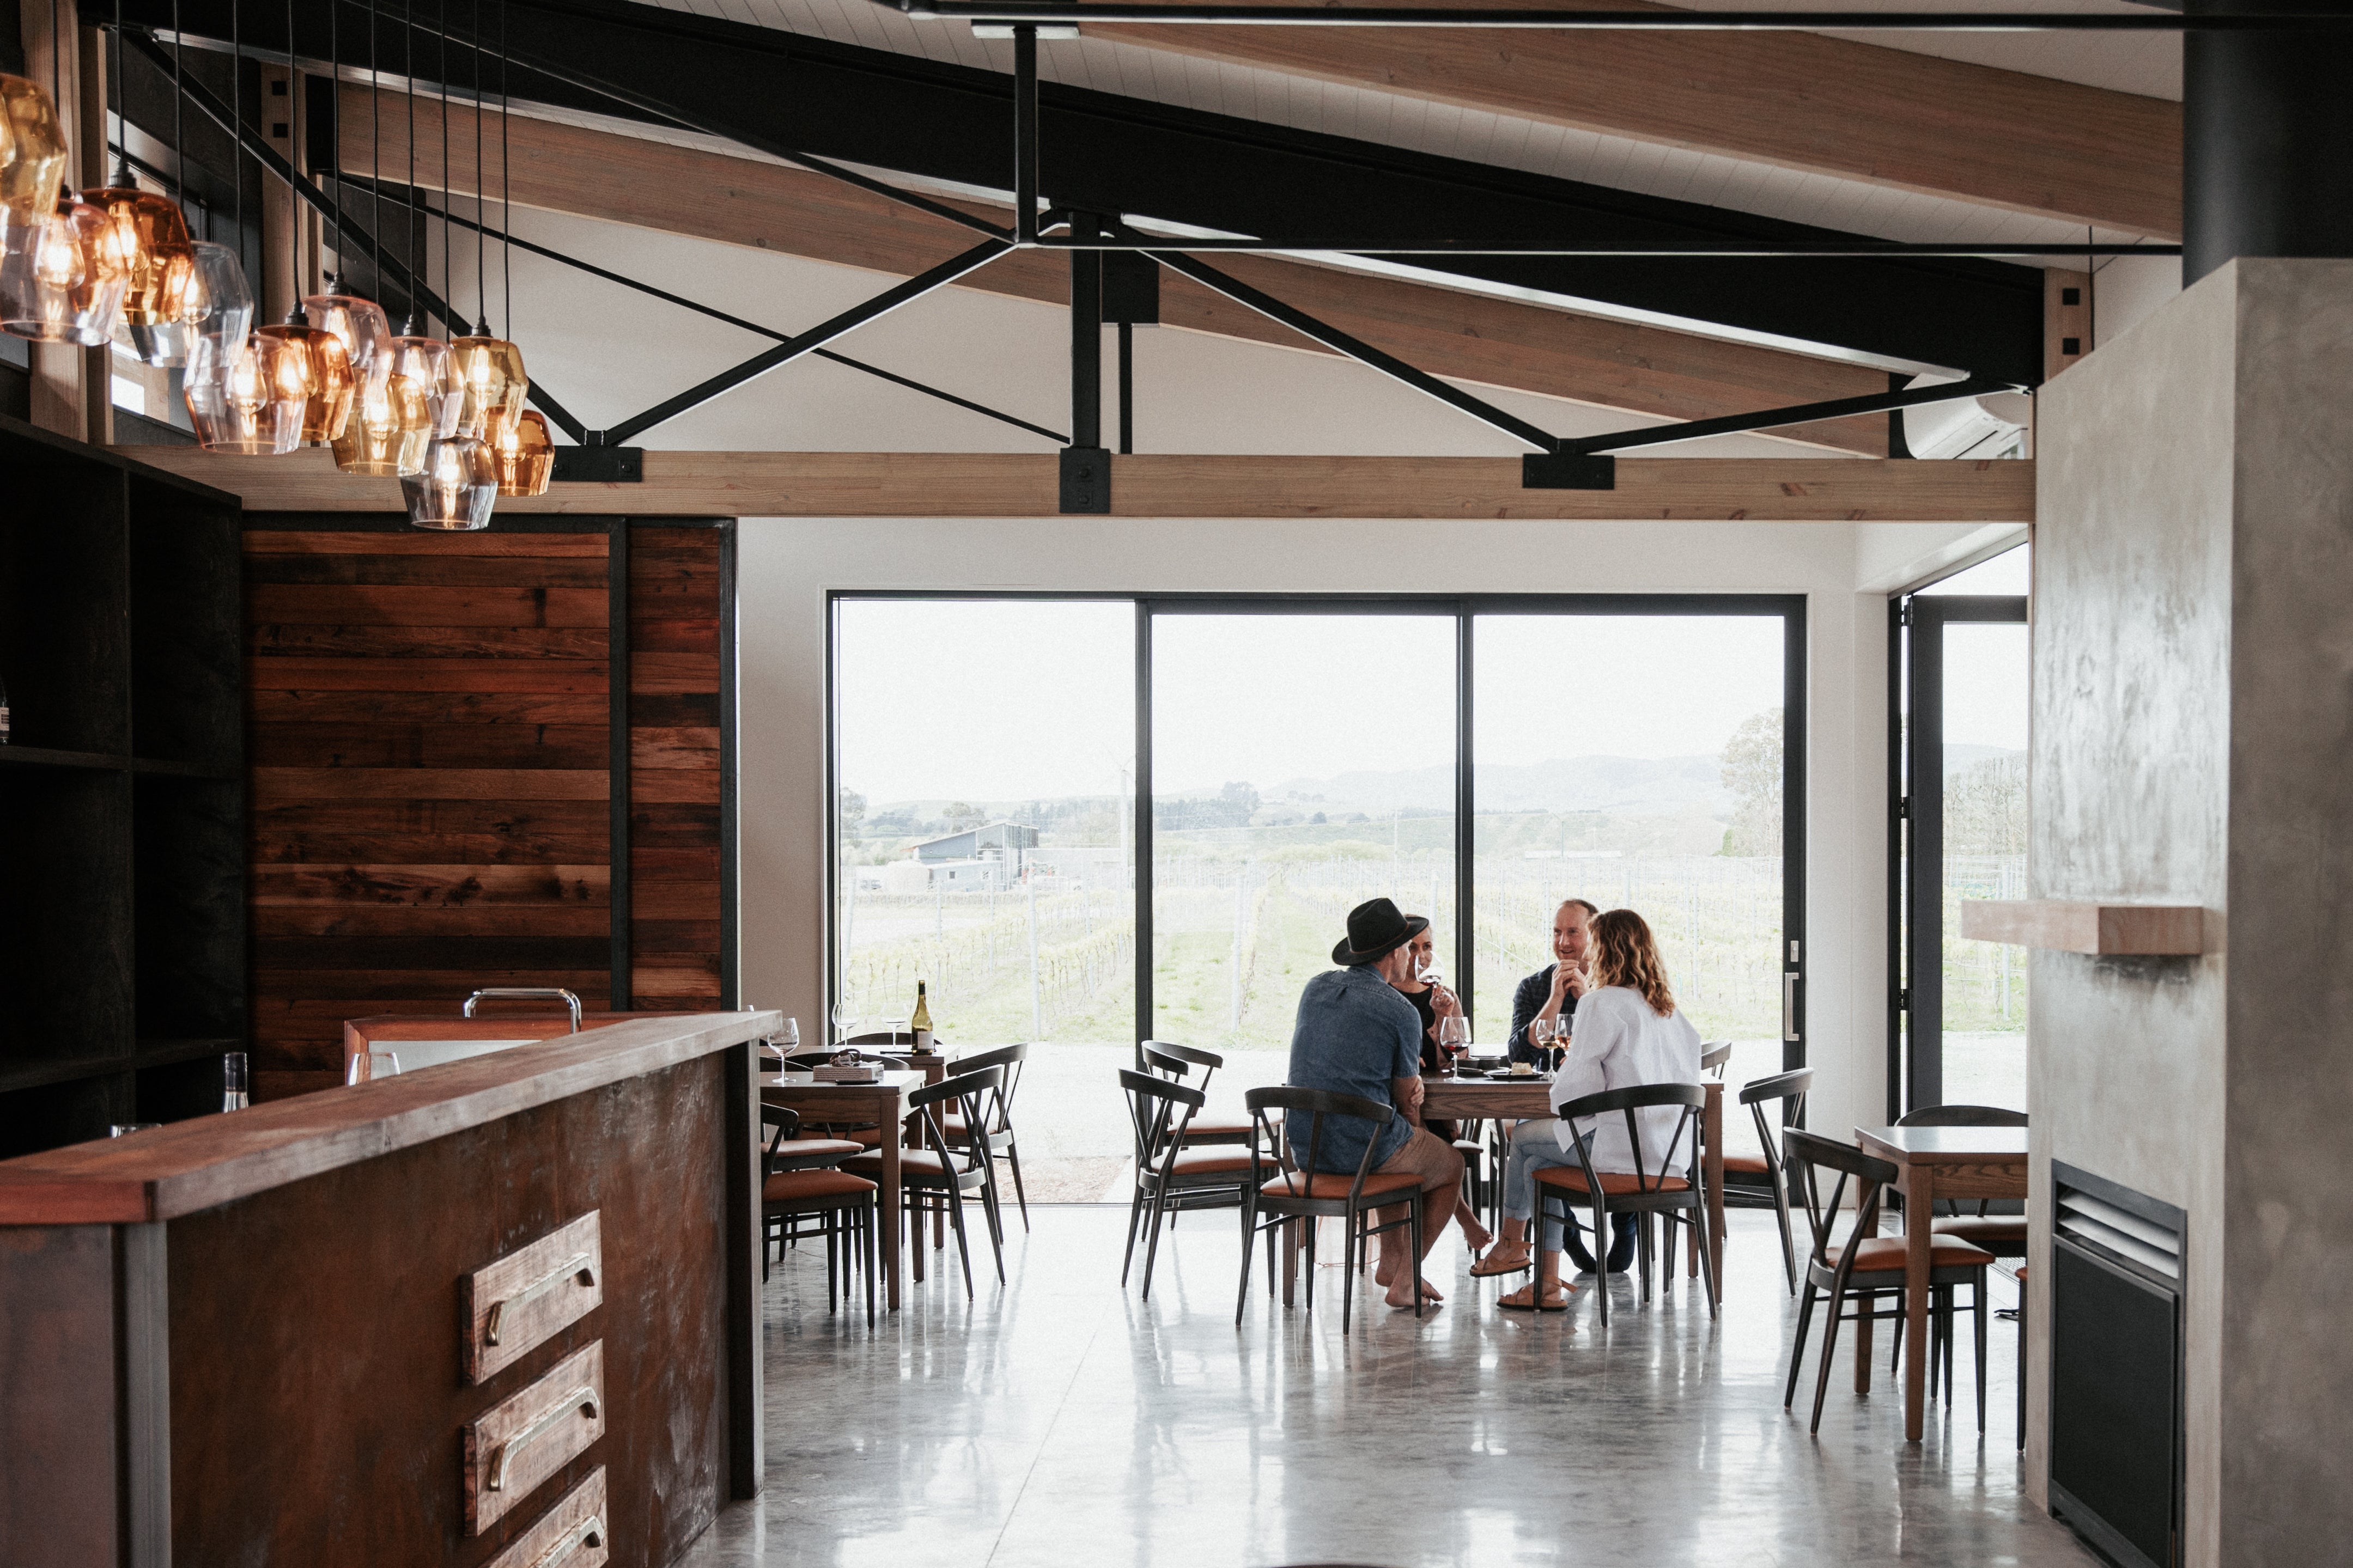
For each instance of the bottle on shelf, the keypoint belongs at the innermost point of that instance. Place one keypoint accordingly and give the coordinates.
(920, 1021)
(233, 1082)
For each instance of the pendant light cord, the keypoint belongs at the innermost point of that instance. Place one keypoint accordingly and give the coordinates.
(179, 119)
(375, 153)
(237, 122)
(335, 280)
(448, 276)
(482, 187)
(296, 316)
(506, 188)
(419, 279)
(123, 176)
(56, 61)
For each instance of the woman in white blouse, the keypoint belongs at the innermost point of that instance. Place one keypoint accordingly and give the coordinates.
(1626, 1031)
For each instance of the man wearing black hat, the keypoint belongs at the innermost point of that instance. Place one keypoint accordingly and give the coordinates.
(1357, 1034)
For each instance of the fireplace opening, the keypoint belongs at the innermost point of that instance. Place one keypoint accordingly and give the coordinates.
(2116, 1410)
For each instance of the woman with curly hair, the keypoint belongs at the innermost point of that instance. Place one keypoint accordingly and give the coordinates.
(1626, 1031)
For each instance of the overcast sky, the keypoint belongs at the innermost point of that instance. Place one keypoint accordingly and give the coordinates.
(1002, 699)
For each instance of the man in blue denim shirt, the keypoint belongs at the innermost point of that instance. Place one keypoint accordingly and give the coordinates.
(1357, 1034)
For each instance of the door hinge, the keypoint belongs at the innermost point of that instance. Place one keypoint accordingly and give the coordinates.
(1903, 808)
(1904, 613)
(1904, 999)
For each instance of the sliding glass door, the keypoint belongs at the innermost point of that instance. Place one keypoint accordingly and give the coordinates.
(1959, 1034)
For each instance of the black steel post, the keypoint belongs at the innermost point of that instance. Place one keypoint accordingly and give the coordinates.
(1025, 135)
(1126, 388)
(2267, 147)
(1086, 466)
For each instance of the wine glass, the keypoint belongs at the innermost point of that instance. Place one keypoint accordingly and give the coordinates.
(1540, 1037)
(789, 1038)
(366, 1065)
(845, 1021)
(1454, 1037)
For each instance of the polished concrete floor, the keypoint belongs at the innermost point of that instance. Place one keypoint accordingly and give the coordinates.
(1059, 1420)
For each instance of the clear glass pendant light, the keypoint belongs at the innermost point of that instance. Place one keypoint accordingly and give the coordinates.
(249, 400)
(456, 488)
(63, 279)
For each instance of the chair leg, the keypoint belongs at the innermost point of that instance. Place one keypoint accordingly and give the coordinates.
(1349, 1242)
(1135, 1219)
(995, 1230)
(1020, 1193)
(829, 1285)
(1707, 1265)
(1830, 1354)
(1152, 1242)
(1413, 1261)
(1249, 1234)
(1309, 1228)
(1602, 1241)
(1979, 1312)
(1642, 1249)
(866, 1222)
(1798, 1348)
(953, 1201)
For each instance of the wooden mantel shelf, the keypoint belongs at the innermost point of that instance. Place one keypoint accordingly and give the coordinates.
(195, 1165)
(2069, 925)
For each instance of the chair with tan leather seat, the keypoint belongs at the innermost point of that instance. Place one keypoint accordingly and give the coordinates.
(1867, 1267)
(1661, 1191)
(1756, 1181)
(1296, 1189)
(1174, 1062)
(1170, 1177)
(800, 1183)
(2004, 1235)
(936, 1173)
(1002, 1145)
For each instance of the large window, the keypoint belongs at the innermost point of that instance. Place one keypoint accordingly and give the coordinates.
(1005, 834)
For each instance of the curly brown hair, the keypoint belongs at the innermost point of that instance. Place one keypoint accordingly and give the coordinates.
(1625, 954)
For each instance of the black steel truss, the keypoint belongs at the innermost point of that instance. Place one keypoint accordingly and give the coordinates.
(1074, 13)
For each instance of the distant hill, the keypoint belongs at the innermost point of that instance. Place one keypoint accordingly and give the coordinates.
(1626, 786)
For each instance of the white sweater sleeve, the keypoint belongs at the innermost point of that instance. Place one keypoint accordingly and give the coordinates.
(1595, 1032)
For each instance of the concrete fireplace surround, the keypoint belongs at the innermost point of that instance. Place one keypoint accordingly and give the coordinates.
(2193, 744)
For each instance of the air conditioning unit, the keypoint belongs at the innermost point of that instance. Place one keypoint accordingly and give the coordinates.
(1992, 424)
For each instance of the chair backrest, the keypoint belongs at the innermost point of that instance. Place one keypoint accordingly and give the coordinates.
(1789, 1091)
(1318, 1103)
(1961, 1116)
(1713, 1054)
(979, 1095)
(1630, 1100)
(1153, 1105)
(786, 1122)
(1171, 1060)
(1010, 1057)
(1804, 1156)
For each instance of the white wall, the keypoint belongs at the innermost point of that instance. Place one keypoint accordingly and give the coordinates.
(787, 567)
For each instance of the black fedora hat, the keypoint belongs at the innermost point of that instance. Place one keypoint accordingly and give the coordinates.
(1375, 929)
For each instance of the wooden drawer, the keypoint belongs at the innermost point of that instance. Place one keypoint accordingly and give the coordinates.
(572, 1534)
(522, 1441)
(518, 1303)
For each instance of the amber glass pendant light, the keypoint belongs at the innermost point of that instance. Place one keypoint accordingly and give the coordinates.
(360, 322)
(152, 235)
(526, 457)
(32, 151)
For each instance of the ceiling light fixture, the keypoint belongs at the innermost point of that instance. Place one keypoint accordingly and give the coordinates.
(327, 362)
(151, 235)
(459, 483)
(62, 278)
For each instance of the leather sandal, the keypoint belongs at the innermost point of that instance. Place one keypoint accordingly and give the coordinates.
(1487, 1269)
(1535, 1303)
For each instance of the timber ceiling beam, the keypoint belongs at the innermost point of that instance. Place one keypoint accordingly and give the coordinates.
(980, 485)
(1831, 106)
(766, 207)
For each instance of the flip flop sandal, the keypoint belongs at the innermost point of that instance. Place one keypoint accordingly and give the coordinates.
(1480, 1271)
(1533, 1304)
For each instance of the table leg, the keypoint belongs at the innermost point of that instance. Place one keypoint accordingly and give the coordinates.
(1712, 1179)
(1919, 1204)
(890, 1195)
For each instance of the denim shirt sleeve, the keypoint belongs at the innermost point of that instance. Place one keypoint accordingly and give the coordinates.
(1527, 1003)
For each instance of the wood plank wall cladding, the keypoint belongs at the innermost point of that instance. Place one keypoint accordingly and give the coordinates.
(449, 790)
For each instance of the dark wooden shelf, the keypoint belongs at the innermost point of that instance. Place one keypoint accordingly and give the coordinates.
(51, 757)
(65, 1069)
(164, 1053)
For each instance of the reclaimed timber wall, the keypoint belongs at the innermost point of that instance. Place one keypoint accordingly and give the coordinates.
(449, 790)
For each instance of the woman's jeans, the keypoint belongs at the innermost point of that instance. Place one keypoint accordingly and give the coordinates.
(1536, 1145)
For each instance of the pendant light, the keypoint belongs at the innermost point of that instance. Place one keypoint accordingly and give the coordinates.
(526, 457)
(245, 393)
(422, 358)
(460, 481)
(62, 274)
(32, 151)
(490, 368)
(360, 321)
(396, 416)
(327, 362)
(152, 235)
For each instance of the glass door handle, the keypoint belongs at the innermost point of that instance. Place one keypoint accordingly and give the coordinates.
(1788, 1004)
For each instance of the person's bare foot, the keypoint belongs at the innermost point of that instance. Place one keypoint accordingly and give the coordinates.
(1404, 1298)
(1474, 1234)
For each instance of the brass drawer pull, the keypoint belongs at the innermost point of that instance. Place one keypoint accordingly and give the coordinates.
(588, 1532)
(579, 1263)
(581, 1400)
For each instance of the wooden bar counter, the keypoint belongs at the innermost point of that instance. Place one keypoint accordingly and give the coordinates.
(500, 1312)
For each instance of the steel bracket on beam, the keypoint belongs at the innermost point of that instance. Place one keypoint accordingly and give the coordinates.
(597, 464)
(1567, 471)
(1086, 481)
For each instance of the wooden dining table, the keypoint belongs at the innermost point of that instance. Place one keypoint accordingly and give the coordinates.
(1935, 1162)
(882, 1105)
(1523, 1099)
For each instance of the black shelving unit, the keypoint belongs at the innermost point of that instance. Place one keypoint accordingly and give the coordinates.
(123, 796)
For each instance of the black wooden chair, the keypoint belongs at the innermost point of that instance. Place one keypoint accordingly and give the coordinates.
(1169, 1176)
(2004, 1235)
(1174, 1063)
(1866, 1267)
(935, 1174)
(1756, 1181)
(1002, 1145)
(800, 1183)
(1680, 1199)
(1296, 1189)
(1713, 1057)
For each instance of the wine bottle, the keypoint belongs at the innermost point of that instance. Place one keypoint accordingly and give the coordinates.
(234, 1082)
(4, 712)
(921, 1019)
